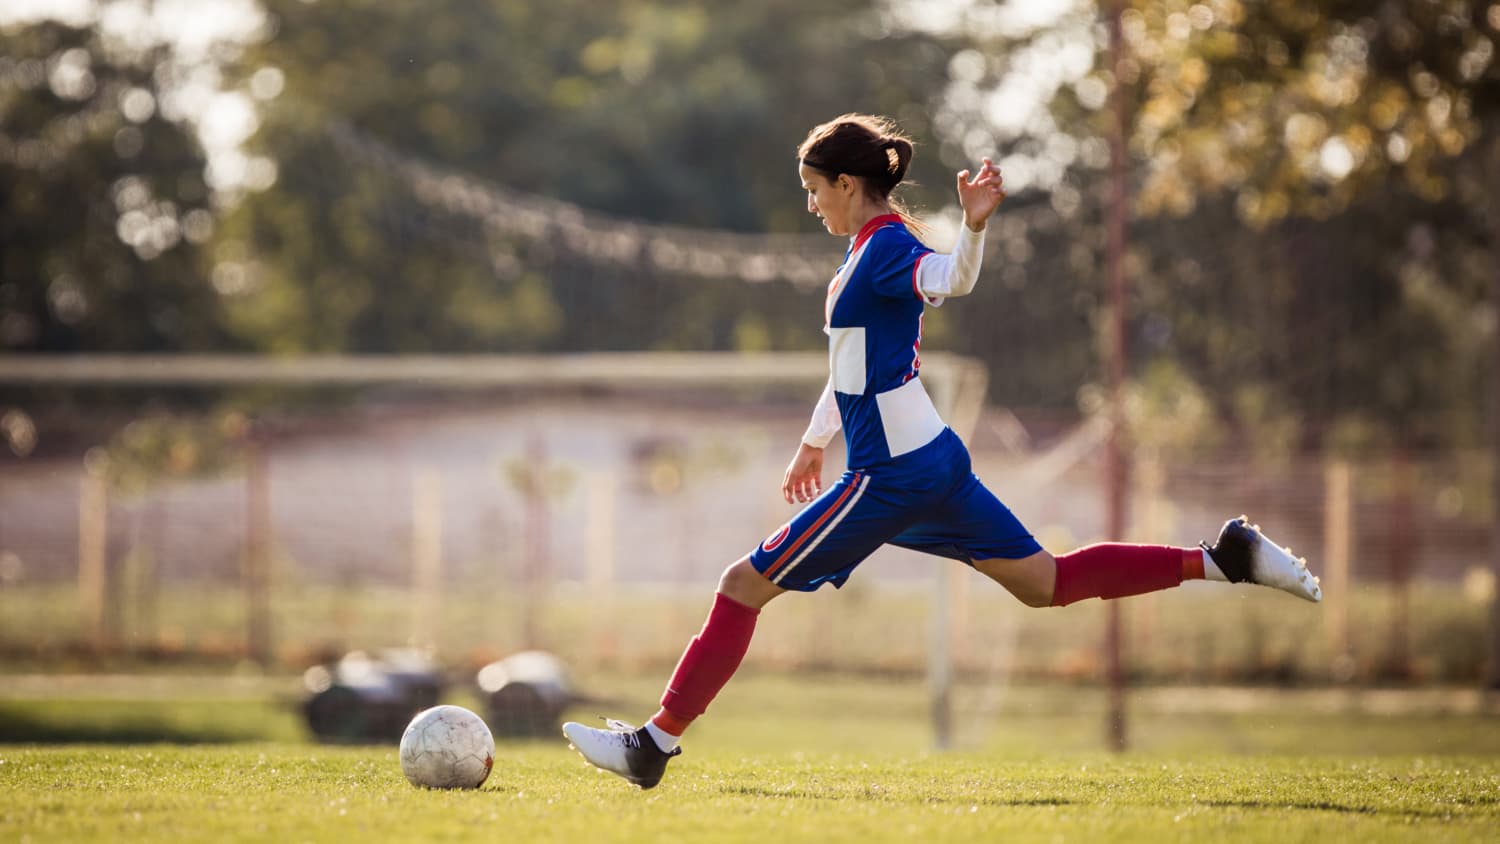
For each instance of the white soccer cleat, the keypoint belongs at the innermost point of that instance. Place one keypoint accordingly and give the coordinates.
(1246, 555)
(621, 749)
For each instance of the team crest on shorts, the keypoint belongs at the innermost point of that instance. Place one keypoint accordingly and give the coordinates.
(775, 539)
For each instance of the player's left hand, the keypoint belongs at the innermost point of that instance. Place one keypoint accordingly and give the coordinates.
(981, 195)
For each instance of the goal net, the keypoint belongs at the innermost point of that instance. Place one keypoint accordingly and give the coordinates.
(285, 511)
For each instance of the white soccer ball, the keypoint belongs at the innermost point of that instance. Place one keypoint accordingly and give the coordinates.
(447, 747)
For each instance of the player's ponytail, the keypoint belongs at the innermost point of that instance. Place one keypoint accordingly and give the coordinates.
(900, 151)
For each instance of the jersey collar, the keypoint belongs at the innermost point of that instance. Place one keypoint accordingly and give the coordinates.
(870, 227)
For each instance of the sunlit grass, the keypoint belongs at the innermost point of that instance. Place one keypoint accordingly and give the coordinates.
(780, 758)
(541, 792)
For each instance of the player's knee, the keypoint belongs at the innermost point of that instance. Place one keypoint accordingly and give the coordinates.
(1031, 593)
(1036, 599)
(736, 577)
(1030, 579)
(743, 583)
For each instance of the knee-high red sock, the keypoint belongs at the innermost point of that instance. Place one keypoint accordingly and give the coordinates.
(710, 660)
(1117, 569)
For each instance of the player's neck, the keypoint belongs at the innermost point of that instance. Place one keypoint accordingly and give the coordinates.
(865, 212)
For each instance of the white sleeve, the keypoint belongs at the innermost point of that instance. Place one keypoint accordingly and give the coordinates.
(940, 275)
(825, 420)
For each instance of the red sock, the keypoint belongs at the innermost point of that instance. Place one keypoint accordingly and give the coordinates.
(1117, 569)
(710, 660)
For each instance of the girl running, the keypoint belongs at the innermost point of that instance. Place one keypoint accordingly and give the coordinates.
(909, 481)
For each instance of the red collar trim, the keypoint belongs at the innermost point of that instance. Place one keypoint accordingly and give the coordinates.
(870, 227)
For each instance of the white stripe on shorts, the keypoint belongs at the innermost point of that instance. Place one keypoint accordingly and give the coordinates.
(860, 490)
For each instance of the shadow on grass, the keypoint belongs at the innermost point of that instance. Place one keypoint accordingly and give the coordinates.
(866, 796)
(23, 726)
(1325, 806)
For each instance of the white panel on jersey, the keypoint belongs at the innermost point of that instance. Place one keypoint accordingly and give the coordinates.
(909, 419)
(846, 359)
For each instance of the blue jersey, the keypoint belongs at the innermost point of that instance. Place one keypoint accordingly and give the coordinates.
(874, 325)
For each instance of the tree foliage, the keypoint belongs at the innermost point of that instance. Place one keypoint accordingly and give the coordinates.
(1361, 135)
(669, 112)
(1313, 213)
(103, 204)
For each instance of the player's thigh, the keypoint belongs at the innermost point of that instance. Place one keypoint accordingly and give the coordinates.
(970, 523)
(974, 526)
(832, 535)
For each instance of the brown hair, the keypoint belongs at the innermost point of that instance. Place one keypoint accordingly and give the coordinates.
(869, 147)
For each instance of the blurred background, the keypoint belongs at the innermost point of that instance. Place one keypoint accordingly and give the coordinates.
(475, 327)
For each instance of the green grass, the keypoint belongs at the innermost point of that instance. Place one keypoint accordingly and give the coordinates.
(781, 758)
(540, 793)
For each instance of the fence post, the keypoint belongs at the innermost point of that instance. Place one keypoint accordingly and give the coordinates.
(1338, 511)
(1402, 549)
(426, 556)
(599, 553)
(93, 540)
(538, 528)
(148, 588)
(1155, 524)
(257, 552)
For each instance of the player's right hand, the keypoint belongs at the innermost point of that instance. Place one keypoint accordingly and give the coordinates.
(804, 476)
(981, 195)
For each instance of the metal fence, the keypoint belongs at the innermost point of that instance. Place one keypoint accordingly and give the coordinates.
(596, 525)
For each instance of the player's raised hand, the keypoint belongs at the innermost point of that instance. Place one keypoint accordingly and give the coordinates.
(804, 475)
(981, 195)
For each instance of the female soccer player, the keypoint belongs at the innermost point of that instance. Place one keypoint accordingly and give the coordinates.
(909, 481)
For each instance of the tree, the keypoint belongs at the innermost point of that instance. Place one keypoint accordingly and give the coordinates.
(671, 112)
(103, 205)
(1312, 196)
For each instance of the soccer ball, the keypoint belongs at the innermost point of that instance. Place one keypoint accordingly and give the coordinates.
(447, 747)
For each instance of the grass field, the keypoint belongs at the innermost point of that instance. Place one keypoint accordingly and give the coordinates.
(780, 759)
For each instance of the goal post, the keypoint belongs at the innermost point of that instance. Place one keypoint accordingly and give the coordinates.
(957, 385)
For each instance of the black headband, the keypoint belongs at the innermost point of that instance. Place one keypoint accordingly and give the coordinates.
(890, 149)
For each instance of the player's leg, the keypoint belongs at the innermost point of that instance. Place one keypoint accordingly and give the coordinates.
(714, 655)
(640, 755)
(1031, 579)
(822, 544)
(1242, 554)
(1120, 569)
(974, 525)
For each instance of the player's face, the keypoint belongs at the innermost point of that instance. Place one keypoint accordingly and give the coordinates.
(831, 201)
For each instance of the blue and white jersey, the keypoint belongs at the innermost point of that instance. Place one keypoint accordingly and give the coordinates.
(874, 324)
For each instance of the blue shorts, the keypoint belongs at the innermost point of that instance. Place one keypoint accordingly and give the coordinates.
(927, 500)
